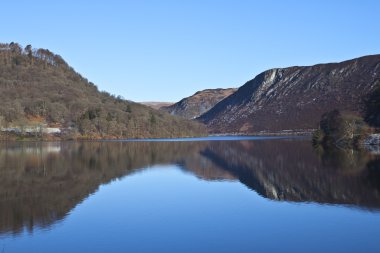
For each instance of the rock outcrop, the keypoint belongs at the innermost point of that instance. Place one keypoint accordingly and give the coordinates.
(295, 97)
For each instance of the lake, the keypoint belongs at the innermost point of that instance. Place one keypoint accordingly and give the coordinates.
(217, 194)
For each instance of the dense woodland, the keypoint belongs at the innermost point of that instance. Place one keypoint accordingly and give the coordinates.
(37, 87)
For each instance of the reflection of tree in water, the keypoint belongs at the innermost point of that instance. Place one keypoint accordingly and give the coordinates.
(353, 161)
(41, 182)
(373, 173)
(346, 159)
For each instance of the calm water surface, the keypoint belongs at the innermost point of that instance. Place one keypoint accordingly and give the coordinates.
(220, 194)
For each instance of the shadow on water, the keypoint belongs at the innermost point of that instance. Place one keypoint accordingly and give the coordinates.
(41, 182)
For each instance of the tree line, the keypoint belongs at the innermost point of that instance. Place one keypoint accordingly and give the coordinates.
(37, 87)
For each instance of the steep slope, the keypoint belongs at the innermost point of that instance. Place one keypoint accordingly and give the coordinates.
(38, 89)
(295, 97)
(199, 103)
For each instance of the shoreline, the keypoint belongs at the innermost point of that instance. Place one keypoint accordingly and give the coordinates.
(226, 136)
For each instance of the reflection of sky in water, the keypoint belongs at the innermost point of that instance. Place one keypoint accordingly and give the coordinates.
(165, 210)
(235, 196)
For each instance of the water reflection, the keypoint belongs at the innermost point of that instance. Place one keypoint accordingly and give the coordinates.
(41, 182)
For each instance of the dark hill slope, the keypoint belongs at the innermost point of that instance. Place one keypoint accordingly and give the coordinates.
(295, 97)
(199, 103)
(38, 88)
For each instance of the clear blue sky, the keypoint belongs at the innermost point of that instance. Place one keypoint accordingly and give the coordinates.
(166, 50)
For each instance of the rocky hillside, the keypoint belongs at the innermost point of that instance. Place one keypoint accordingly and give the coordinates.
(199, 103)
(40, 92)
(295, 97)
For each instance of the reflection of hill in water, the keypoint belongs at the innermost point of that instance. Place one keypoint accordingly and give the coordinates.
(292, 171)
(41, 183)
(39, 186)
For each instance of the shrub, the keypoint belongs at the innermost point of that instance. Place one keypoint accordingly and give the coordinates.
(342, 129)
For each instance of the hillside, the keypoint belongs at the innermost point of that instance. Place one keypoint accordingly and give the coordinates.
(41, 93)
(199, 103)
(295, 97)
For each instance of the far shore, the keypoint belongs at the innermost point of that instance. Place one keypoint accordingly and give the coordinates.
(298, 132)
(55, 138)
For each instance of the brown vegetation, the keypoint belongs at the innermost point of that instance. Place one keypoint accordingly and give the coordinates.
(39, 88)
(340, 129)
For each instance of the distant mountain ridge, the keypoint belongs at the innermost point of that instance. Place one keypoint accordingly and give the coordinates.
(295, 97)
(193, 106)
(156, 105)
